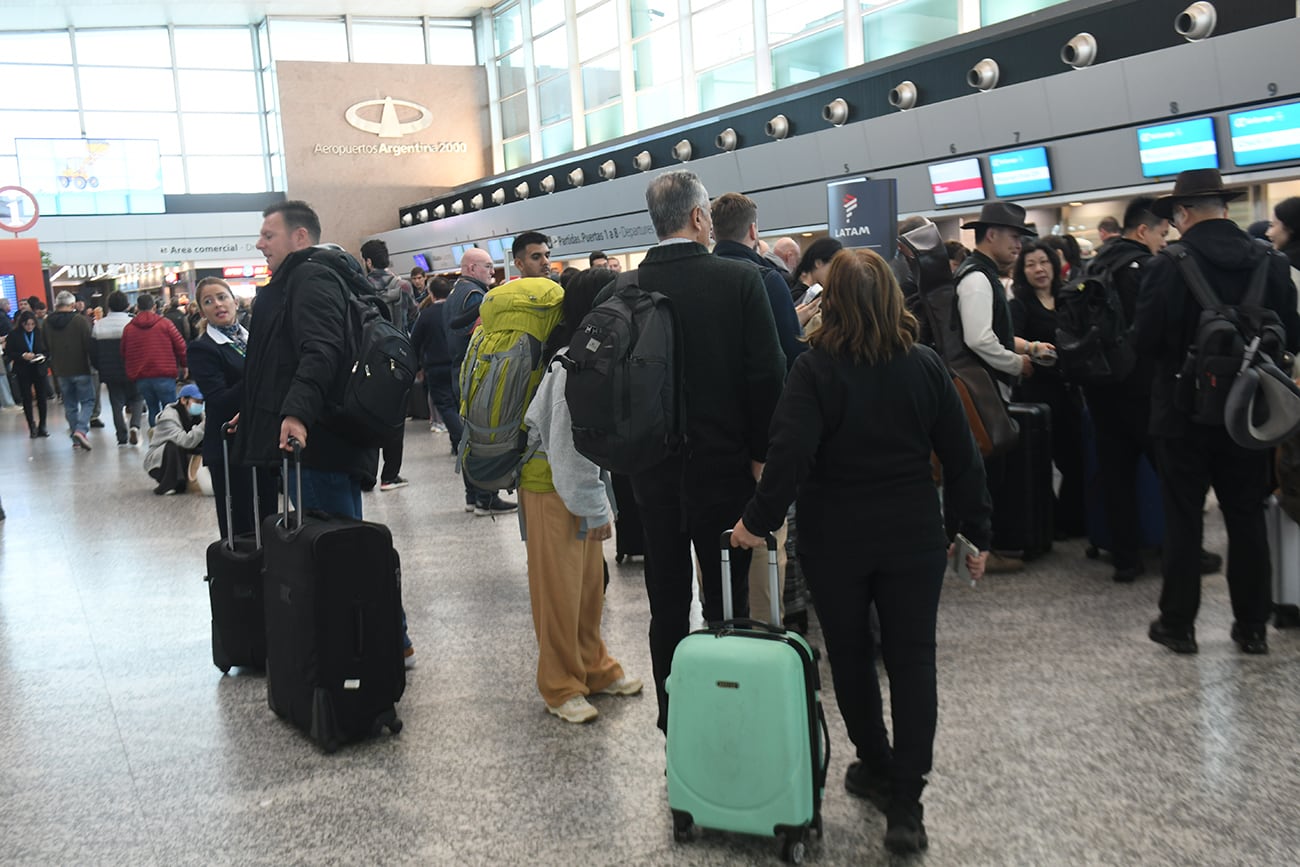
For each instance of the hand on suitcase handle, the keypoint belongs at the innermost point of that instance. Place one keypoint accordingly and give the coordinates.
(740, 537)
(292, 430)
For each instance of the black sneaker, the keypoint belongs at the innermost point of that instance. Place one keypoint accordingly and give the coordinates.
(94, 422)
(905, 828)
(1253, 640)
(493, 507)
(861, 781)
(1128, 574)
(1177, 640)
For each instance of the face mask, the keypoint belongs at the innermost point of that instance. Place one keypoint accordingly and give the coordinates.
(196, 409)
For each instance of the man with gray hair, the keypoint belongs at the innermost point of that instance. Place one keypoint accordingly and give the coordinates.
(732, 368)
(67, 340)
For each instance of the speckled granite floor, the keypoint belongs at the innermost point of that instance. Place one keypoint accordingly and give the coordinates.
(1065, 736)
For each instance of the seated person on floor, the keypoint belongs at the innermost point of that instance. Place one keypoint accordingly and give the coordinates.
(177, 439)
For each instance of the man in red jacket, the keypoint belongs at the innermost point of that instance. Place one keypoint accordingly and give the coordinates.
(154, 354)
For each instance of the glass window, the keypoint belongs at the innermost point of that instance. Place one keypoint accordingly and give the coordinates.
(547, 14)
(605, 124)
(993, 11)
(138, 46)
(508, 29)
(657, 58)
(163, 126)
(906, 25)
(808, 58)
(551, 54)
(725, 85)
(210, 90)
(36, 124)
(227, 174)
(214, 48)
(510, 73)
(222, 133)
(516, 153)
(38, 87)
(452, 46)
(787, 18)
(52, 47)
(173, 172)
(514, 116)
(600, 81)
(325, 40)
(126, 89)
(272, 124)
(649, 14)
(597, 31)
(263, 45)
(554, 100)
(723, 32)
(387, 41)
(580, 5)
(557, 140)
(659, 105)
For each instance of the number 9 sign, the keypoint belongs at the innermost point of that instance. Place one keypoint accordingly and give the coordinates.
(18, 209)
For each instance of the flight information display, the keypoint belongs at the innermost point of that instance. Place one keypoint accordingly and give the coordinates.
(1021, 172)
(1266, 135)
(1171, 148)
(957, 182)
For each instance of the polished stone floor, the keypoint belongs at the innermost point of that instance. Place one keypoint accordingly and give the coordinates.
(1065, 737)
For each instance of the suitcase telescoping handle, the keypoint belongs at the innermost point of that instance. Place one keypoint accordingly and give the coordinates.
(297, 473)
(773, 582)
(227, 434)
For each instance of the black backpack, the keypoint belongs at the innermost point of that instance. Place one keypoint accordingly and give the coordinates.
(1228, 339)
(370, 399)
(624, 387)
(1094, 340)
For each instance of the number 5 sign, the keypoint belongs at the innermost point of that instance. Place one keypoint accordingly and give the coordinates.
(18, 209)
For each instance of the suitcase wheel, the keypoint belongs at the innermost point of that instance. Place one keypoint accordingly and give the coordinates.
(682, 825)
(793, 849)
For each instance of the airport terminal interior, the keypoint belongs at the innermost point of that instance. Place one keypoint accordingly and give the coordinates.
(139, 143)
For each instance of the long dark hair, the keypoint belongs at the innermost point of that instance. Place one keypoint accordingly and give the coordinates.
(579, 298)
(1019, 285)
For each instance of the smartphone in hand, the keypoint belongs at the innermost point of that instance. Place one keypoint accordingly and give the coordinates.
(961, 549)
(811, 295)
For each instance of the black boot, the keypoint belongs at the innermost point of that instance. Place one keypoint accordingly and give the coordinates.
(905, 828)
(871, 785)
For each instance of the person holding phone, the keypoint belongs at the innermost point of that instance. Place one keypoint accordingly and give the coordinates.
(852, 437)
(25, 349)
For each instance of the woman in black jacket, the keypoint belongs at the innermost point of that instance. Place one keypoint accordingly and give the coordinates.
(217, 366)
(26, 353)
(852, 438)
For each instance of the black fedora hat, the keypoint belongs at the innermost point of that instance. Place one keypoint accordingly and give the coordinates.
(1194, 184)
(1003, 214)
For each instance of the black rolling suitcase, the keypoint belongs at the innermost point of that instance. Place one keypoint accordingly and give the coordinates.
(629, 537)
(235, 588)
(334, 664)
(1022, 511)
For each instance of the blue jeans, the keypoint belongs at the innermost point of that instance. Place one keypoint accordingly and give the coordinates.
(157, 392)
(78, 400)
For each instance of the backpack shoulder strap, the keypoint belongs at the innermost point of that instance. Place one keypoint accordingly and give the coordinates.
(1259, 280)
(1193, 276)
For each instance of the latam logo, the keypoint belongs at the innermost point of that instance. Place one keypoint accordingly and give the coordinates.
(850, 205)
(388, 125)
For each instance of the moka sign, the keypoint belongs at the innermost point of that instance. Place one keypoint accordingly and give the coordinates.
(864, 213)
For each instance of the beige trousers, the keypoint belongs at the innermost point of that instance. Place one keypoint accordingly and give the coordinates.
(758, 596)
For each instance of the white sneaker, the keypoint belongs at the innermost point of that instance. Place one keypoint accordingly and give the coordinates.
(623, 686)
(575, 710)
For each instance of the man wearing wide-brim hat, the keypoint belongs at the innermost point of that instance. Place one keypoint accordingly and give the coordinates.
(1193, 456)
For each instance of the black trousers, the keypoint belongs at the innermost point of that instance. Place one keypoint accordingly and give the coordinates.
(174, 472)
(392, 452)
(672, 528)
(124, 396)
(905, 588)
(241, 494)
(1067, 449)
(33, 381)
(1120, 422)
(1189, 465)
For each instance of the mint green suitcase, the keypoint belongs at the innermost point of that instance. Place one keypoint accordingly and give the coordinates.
(748, 747)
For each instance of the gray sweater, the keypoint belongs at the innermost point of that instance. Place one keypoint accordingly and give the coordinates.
(170, 428)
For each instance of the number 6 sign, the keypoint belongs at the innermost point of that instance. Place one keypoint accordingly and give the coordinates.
(18, 209)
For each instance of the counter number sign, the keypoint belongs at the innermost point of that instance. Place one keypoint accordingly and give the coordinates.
(18, 209)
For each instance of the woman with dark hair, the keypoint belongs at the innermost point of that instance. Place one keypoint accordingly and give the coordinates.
(852, 437)
(1284, 230)
(564, 501)
(1036, 282)
(25, 349)
(814, 264)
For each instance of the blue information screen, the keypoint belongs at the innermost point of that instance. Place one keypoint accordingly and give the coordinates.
(9, 289)
(1177, 147)
(1021, 173)
(1266, 135)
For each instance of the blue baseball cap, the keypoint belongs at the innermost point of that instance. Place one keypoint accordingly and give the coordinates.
(192, 391)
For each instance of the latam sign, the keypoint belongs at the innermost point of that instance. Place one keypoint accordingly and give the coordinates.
(863, 213)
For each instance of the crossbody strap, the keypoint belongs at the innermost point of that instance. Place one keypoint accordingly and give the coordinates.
(1193, 277)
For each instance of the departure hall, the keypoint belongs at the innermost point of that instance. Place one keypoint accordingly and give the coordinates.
(145, 146)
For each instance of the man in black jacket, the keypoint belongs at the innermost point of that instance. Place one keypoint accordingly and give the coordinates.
(1195, 456)
(732, 370)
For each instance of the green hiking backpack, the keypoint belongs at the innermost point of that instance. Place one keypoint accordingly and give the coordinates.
(502, 369)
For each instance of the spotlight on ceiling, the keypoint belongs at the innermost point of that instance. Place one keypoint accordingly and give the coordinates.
(1080, 51)
(778, 127)
(439, 212)
(608, 170)
(983, 75)
(836, 112)
(458, 206)
(1196, 22)
(576, 178)
(499, 196)
(642, 162)
(727, 140)
(521, 190)
(477, 202)
(682, 150)
(903, 96)
(408, 218)
(547, 184)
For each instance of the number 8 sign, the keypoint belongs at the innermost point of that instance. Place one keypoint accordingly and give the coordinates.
(18, 209)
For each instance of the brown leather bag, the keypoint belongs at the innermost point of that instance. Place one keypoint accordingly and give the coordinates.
(996, 433)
